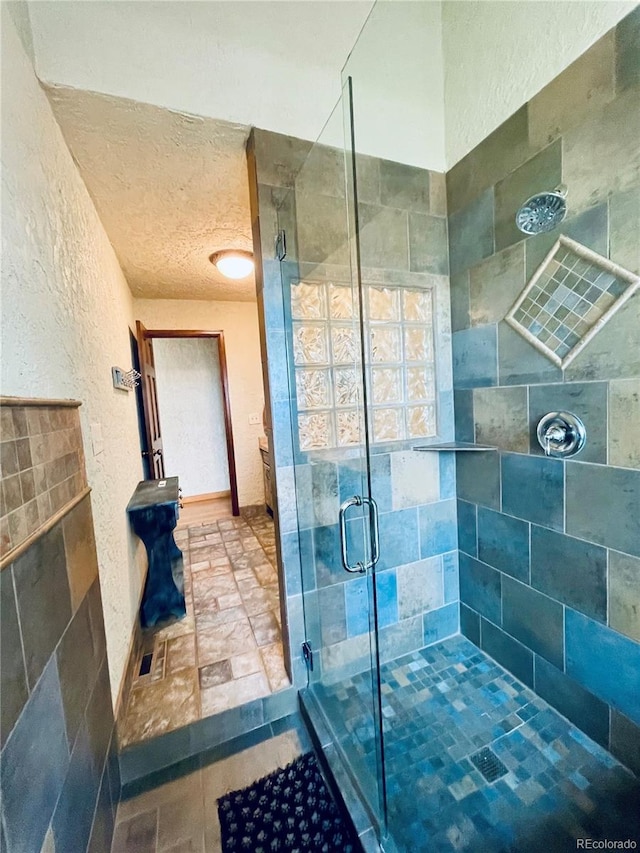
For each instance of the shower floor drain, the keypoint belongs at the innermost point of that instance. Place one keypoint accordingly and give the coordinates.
(488, 764)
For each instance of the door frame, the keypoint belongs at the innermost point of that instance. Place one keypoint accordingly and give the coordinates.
(150, 334)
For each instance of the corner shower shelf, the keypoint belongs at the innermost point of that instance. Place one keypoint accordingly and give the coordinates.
(456, 446)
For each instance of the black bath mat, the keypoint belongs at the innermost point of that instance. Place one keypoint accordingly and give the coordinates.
(289, 811)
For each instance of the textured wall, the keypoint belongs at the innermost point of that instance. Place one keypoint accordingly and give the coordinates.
(191, 413)
(498, 55)
(397, 72)
(56, 722)
(66, 311)
(239, 322)
(133, 157)
(205, 58)
(550, 549)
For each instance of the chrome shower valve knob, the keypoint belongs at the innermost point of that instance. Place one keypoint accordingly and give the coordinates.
(561, 434)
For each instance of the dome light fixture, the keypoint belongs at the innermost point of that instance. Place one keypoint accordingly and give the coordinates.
(233, 263)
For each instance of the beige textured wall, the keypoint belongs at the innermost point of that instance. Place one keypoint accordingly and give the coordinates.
(66, 311)
(239, 322)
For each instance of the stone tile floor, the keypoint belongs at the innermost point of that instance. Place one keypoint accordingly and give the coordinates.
(182, 815)
(227, 650)
(443, 704)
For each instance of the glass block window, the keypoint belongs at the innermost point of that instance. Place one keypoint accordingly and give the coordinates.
(400, 355)
(572, 294)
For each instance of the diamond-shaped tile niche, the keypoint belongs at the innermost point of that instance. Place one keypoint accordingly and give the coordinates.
(570, 297)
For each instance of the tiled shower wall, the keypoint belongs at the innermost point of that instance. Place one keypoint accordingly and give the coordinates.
(550, 549)
(404, 245)
(59, 771)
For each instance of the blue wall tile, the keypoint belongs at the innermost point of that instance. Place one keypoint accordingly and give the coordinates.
(326, 552)
(297, 554)
(400, 638)
(589, 228)
(451, 577)
(447, 475)
(605, 662)
(381, 481)
(278, 366)
(519, 363)
(325, 543)
(281, 422)
(438, 528)
(387, 597)
(571, 699)
(351, 478)
(478, 478)
(272, 295)
(470, 623)
(446, 418)
(333, 624)
(588, 400)
(324, 492)
(509, 652)
(103, 821)
(99, 718)
(13, 681)
(533, 489)
(474, 357)
(480, 588)
(399, 543)
(603, 505)
(534, 619)
(571, 570)
(459, 294)
(464, 420)
(467, 528)
(471, 233)
(305, 615)
(441, 623)
(356, 593)
(77, 668)
(625, 741)
(503, 542)
(34, 765)
(44, 604)
(303, 499)
(74, 811)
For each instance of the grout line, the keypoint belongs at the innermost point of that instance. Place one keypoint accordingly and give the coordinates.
(475, 510)
(564, 495)
(608, 585)
(19, 621)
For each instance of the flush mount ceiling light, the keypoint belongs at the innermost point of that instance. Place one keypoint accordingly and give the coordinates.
(233, 263)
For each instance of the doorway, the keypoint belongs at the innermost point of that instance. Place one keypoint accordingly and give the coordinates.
(191, 436)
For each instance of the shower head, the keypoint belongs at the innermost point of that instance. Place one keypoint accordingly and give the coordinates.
(542, 212)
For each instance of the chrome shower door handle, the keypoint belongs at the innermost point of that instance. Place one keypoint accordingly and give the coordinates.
(356, 500)
(375, 531)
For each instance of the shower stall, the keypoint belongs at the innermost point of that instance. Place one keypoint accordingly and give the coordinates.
(470, 597)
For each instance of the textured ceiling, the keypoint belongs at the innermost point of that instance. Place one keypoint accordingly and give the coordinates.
(169, 188)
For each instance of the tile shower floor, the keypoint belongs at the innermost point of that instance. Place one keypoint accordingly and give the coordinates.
(441, 706)
(227, 650)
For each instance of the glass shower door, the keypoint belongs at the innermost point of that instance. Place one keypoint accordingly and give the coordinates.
(337, 517)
